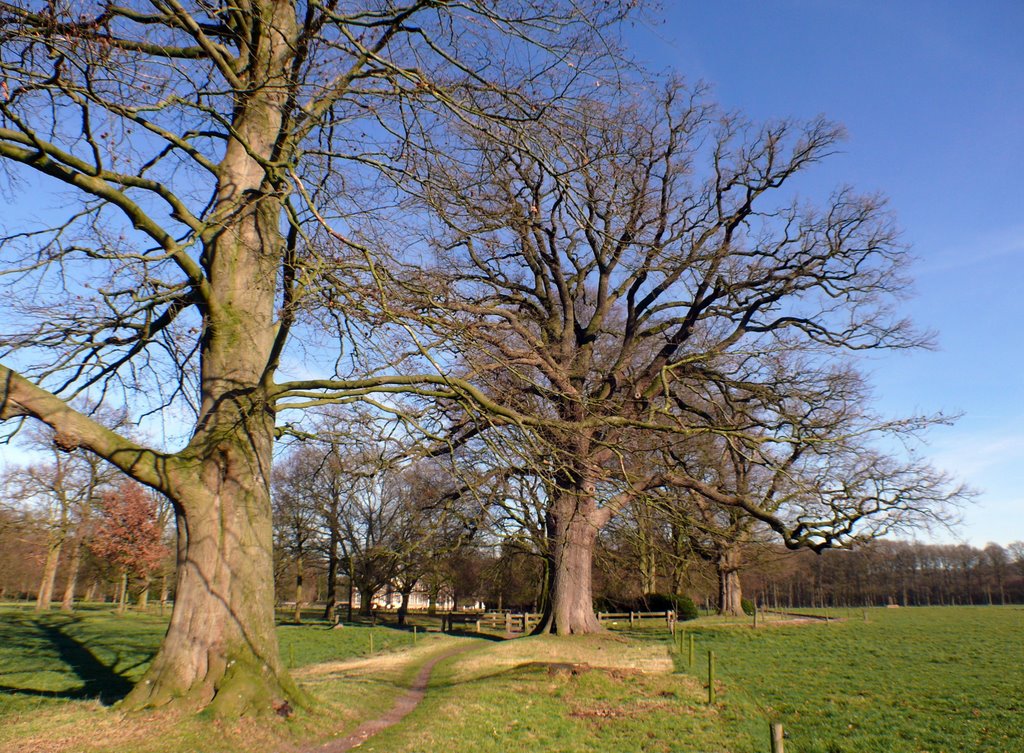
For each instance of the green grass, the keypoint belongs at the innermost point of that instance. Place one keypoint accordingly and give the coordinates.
(941, 680)
(907, 681)
(95, 654)
(54, 657)
(489, 706)
(935, 680)
(59, 673)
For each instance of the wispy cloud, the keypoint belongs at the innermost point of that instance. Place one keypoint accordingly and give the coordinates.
(974, 456)
(993, 245)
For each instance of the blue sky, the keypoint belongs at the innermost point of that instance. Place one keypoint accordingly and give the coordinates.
(932, 94)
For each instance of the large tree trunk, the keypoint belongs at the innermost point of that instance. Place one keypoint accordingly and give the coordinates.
(122, 591)
(730, 592)
(403, 609)
(299, 565)
(647, 551)
(573, 521)
(332, 578)
(45, 596)
(367, 592)
(67, 603)
(221, 647)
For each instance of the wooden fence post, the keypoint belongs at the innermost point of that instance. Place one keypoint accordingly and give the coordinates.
(508, 622)
(691, 651)
(711, 678)
(631, 619)
(478, 626)
(778, 737)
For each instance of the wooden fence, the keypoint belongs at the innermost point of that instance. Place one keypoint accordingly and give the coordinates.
(634, 617)
(507, 622)
(524, 622)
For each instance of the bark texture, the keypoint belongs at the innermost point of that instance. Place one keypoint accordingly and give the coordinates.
(573, 522)
(730, 591)
(221, 649)
(67, 603)
(45, 596)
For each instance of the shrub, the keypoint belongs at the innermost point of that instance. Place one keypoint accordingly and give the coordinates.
(748, 606)
(682, 605)
(657, 603)
(685, 608)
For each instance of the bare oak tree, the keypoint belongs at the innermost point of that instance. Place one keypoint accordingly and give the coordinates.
(597, 274)
(219, 157)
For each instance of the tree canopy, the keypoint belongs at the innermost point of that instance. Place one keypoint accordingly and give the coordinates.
(276, 205)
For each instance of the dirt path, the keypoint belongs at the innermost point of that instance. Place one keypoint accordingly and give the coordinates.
(398, 712)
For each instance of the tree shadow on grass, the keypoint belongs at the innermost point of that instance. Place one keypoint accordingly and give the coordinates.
(99, 680)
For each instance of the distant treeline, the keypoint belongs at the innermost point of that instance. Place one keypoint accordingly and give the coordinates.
(891, 572)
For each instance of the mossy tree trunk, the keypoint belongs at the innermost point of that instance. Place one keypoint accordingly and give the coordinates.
(142, 602)
(730, 590)
(573, 521)
(44, 597)
(122, 590)
(221, 647)
(67, 603)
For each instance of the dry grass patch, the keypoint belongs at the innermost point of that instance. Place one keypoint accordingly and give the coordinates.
(580, 694)
(603, 651)
(89, 728)
(378, 664)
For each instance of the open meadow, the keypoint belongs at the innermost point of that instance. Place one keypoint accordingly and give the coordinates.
(923, 680)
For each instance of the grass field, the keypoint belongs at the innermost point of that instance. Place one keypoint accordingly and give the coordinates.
(59, 674)
(942, 680)
(908, 680)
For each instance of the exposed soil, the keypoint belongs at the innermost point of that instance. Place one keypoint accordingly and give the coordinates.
(399, 711)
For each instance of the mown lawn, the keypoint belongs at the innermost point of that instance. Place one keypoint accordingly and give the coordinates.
(906, 681)
(570, 695)
(939, 680)
(59, 675)
(935, 680)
